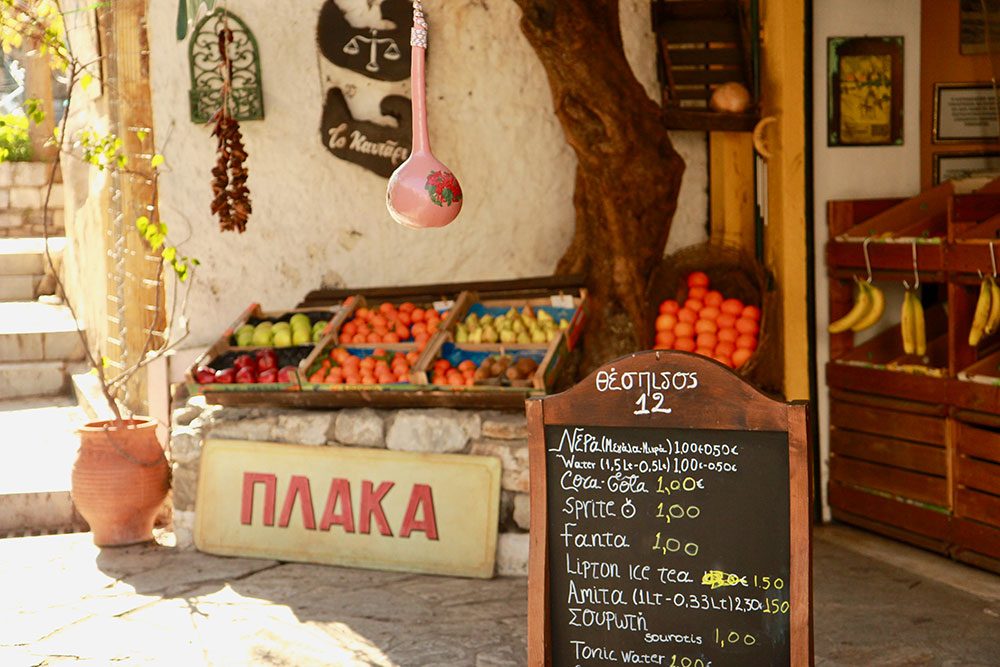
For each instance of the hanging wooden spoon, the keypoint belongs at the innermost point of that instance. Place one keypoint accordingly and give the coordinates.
(422, 191)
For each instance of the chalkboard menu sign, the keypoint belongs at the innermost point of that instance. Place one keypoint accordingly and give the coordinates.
(670, 520)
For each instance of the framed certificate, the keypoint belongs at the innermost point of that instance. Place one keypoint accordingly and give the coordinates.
(865, 103)
(965, 112)
(958, 166)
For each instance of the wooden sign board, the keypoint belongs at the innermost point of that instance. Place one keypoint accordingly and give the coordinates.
(670, 523)
(377, 147)
(357, 40)
(384, 510)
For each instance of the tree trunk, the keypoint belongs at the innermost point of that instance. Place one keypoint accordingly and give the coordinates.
(628, 174)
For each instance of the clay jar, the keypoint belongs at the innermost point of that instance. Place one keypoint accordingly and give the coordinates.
(120, 478)
(422, 191)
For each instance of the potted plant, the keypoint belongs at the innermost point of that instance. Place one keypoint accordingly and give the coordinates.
(121, 475)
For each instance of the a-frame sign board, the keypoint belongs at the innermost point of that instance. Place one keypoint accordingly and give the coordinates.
(670, 520)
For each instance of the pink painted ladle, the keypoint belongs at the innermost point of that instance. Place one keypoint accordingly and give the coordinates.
(422, 191)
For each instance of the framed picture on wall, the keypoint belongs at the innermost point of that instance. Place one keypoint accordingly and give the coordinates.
(959, 166)
(865, 93)
(972, 21)
(965, 112)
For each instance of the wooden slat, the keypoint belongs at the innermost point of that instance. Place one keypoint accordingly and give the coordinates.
(928, 203)
(703, 120)
(979, 506)
(911, 485)
(726, 56)
(689, 93)
(842, 214)
(890, 403)
(673, 10)
(980, 475)
(888, 451)
(704, 77)
(978, 442)
(975, 397)
(699, 31)
(888, 511)
(541, 285)
(887, 383)
(885, 256)
(902, 425)
(976, 536)
(975, 207)
(969, 257)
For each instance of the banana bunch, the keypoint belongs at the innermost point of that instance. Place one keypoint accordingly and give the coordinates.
(987, 317)
(869, 305)
(912, 324)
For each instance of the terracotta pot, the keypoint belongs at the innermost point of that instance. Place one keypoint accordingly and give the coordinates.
(120, 479)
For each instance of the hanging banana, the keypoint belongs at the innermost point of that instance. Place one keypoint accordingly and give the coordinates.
(906, 322)
(919, 326)
(862, 305)
(876, 309)
(981, 317)
(993, 321)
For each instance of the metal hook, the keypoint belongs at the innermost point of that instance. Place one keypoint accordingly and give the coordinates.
(868, 262)
(993, 259)
(916, 273)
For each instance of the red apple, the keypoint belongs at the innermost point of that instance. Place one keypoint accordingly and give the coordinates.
(266, 359)
(225, 376)
(204, 375)
(244, 361)
(246, 375)
(268, 376)
(287, 374)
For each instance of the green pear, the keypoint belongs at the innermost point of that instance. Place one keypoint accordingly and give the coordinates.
(317, 335)
(550, 335)
(301, 336)
(264, 325)
(261, 337)
(490, 335)
(245, 329)
(282, 338)
(538, 336)
(486, 320)
(472, 321)
(319, 326)
(527, 313)
(523, 338)
(518, 326)
(544, 316)
(512, 314)
(476, 336)
(302, 318)
(461, 334)
(564, 324)
(244, 338)
(507, 336)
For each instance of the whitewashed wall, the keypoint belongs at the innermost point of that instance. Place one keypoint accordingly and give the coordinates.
(321, 221)
(859, 172)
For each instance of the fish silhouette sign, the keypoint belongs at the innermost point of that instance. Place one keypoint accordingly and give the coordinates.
(378, 148)
(378, 53)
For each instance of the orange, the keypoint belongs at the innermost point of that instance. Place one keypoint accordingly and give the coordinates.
(728, 335)
(378, 352)
(732, 306)
(368, 379)
(335, 376)
(380, 330)
(666, 322)
(467, 365)
(386, 378)
(317, 377)
(390, 338)
(726, 321)
(705, 326)
(665, 340)
(402, 332)
(346, 338)
(747, 342)
(417, 315)
(684, 330)
(723, 359)
(349, 327)
(387, 308)
(403, 377)
(745, 326)
(406, 307)
(439, 380)
(362, 313)
(687, 315)
(725, 348)
(694, 304)
(704, 351)
(418, 328)
(378, 321)
(697, 293)
(709, 313)
(412, 357)
(457, 380)
(713, 298)
(707, 341)
(373, 338)
(669, 306)
(441, 365)
(403, 318)
(685, 344)
(751, 313)
(367, 363)
(697, 279)
(740, 357)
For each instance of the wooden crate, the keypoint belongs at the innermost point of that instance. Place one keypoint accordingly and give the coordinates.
(221, 356)
(255, 314)
(568, 304)
(977, 485)
(450, 303)
(550, 360)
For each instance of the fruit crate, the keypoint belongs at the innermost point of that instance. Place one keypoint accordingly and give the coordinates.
(567, 310)
(220, 357)
(255, 315)
(549, 361)
(327, 355)
(358, 306)
(977, 486)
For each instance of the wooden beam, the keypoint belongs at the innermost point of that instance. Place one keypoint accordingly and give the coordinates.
(38, 84)
(732, 188)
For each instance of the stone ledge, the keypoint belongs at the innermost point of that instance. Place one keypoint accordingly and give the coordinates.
(513, 455)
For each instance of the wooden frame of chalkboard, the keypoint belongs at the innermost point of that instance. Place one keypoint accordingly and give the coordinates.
(653, 396)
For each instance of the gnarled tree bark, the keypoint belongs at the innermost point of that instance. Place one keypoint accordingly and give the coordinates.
(628, 174)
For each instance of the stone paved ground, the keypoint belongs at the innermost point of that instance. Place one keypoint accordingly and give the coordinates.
(64, 602)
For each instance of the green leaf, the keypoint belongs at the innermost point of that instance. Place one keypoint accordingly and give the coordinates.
(141, 134)
(150, 233)
(169, 254)
(86, 80)
(156, 161)
(195, 262)
(163, 228)
(142, 224)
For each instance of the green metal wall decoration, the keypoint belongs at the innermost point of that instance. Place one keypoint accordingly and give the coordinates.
(209, 72)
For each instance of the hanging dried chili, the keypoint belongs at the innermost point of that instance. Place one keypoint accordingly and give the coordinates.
(231, 196)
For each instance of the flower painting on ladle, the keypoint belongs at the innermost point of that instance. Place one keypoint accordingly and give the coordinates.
(422, 192)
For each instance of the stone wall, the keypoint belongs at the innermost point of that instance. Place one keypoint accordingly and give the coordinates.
(486, 433)
(23, 187)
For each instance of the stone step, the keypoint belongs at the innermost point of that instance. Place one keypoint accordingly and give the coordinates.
(25, 379)
(19, 288)
(46, 511)
(26, 257)
(32, 331)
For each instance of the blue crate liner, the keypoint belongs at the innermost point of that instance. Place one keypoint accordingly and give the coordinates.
(456, 354)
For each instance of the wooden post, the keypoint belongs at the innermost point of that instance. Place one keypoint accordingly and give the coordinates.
(38, 84)
(732, 188)
(782, 71)
(136, 296)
